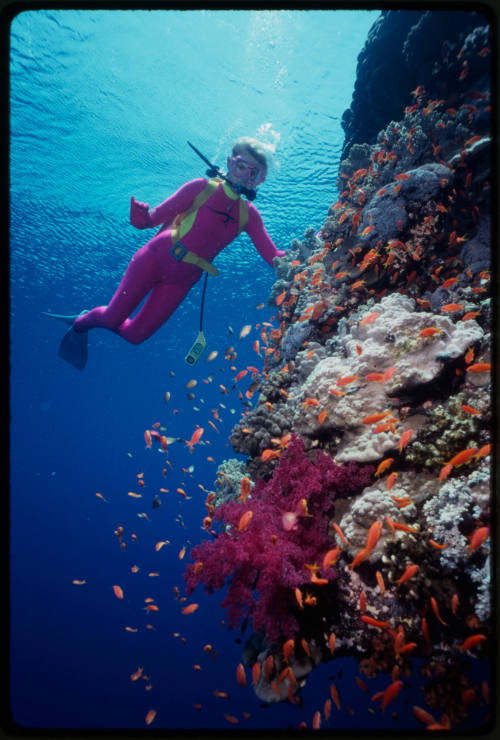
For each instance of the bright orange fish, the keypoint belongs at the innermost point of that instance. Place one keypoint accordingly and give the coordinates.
(452, 307)
(410, 572)
(472, 641)
(359, 557)
(190, 608)
(436, 611)
(389, 373)
(380, 581)
(347, 379)
(245, 520)
(335, 696)
(370, 318)
(469, 409)
(429, 331)
(331, 557)
(404, 439)
(483, 451)
(288, 648)
(391, 693)
(373, 535)
(384, 465)
(316, 723)
(391, 479)
(150, 716)
(463, 457)
(479, 367)
(445, 471)
(245, 488)
(118, 592)
(374, 418)
(241, 675)
(423, 716)
(478, 537)
(298, 596)
(255, 672)
(195, 438)
(269, 455)
(268, 666)
(375, 377)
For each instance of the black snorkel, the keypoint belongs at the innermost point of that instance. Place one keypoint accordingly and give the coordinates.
(214, 171)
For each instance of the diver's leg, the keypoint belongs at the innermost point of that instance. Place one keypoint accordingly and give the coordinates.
(158, 307)
(140, 277)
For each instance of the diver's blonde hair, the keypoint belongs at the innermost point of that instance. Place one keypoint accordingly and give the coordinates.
(255, 148)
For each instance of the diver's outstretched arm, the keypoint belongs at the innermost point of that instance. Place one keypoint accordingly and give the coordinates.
(142, 218)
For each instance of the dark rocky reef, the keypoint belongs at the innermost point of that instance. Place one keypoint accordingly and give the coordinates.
(404, 49)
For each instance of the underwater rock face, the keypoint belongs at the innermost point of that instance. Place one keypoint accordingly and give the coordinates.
(405, 49)
(381, 353)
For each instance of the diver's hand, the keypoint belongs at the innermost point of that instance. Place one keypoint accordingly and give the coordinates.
(139, 214)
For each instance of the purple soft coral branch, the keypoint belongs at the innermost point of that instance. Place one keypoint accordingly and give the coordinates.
(264, 563)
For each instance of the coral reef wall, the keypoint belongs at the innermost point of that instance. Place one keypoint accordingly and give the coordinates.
(380, 362)
(405, 48)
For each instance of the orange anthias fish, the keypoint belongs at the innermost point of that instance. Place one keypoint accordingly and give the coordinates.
(373, 535)
(347, 379)
(479, 367)
(370, 318)
(384, 465)
(463, 456)
(245, 487)
(241, 675)
(269, 454)
(404, 439)
(391, 479)
(195, 438)
(391, 693)
(374, 418)
(331, 557)
(288, 648)
(478, 537)
(410, 572)
(429, 331)
(190, 608)
(245, 520)
(472, 641)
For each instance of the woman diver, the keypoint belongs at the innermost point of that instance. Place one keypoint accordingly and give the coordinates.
(199, 220)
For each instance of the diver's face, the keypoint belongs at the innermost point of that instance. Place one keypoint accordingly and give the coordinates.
(244, 170)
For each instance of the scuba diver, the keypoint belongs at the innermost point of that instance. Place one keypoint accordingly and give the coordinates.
(198, 221)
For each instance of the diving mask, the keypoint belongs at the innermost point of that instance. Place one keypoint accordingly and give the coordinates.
(239, 167)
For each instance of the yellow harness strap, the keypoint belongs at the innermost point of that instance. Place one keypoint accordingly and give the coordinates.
(183, 222)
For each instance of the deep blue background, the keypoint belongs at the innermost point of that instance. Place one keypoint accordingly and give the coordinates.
(102, 104)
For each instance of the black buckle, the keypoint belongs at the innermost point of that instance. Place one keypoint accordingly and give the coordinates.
(178, 250)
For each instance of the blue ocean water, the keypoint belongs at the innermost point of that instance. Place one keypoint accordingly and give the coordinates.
(102, 105)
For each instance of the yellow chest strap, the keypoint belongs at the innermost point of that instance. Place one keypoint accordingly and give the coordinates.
(183, 222)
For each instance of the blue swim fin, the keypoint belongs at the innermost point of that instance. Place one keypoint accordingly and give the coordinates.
(74, 348)
(74, 345)
(67, 319)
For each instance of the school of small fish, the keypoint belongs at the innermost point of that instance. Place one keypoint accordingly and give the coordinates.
(396, 615)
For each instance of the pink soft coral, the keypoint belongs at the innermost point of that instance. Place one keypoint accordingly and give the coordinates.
(264, 563)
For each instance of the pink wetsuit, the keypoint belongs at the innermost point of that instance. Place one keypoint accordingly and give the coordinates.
(154, 270)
